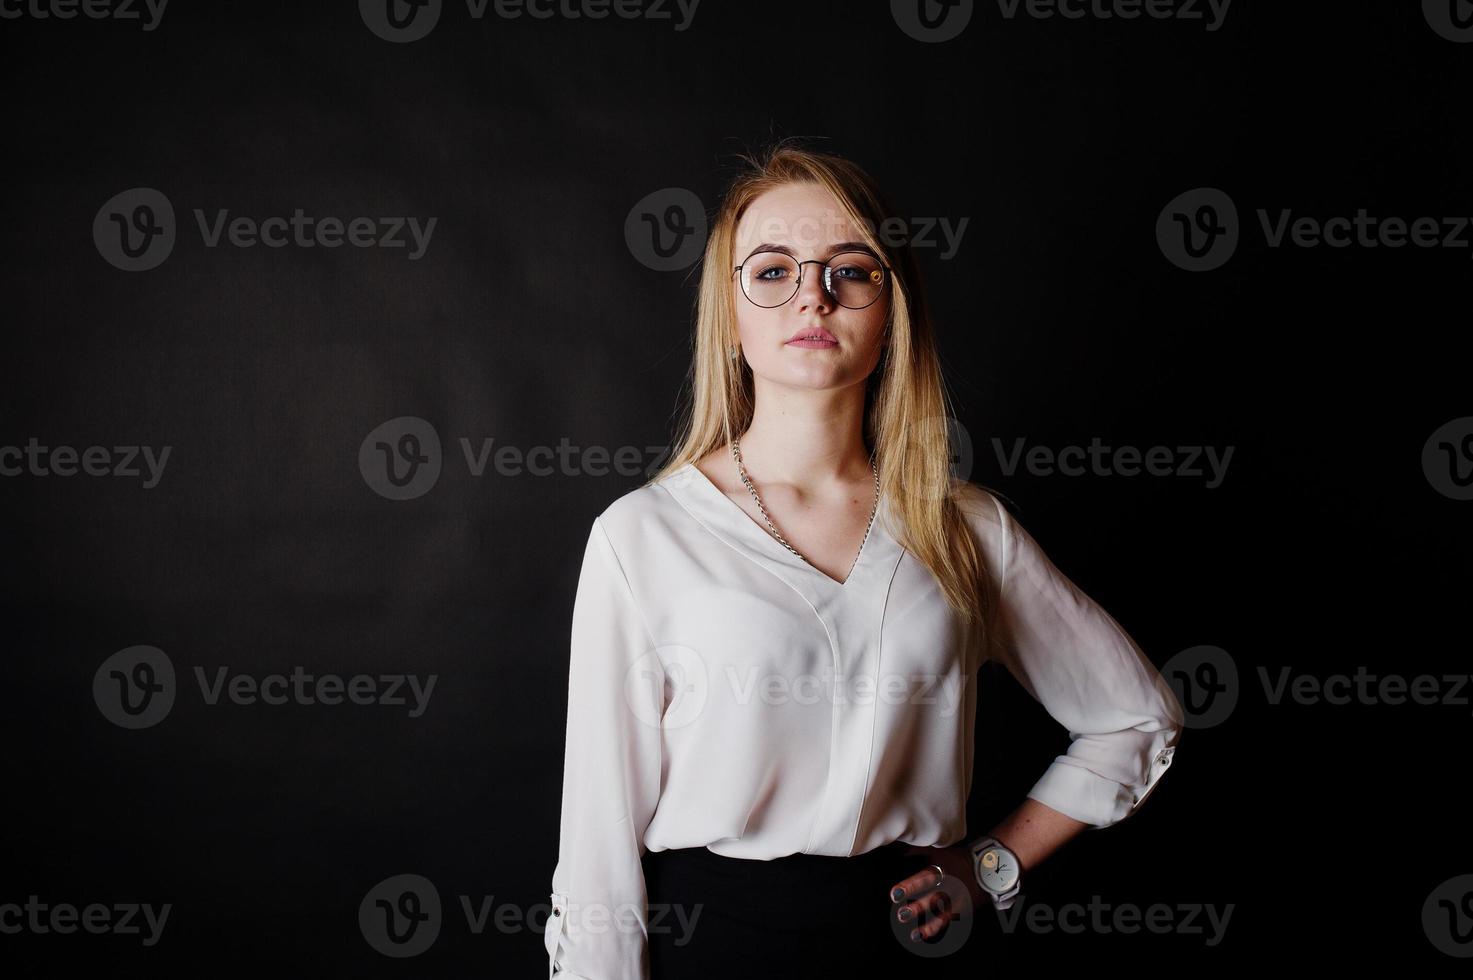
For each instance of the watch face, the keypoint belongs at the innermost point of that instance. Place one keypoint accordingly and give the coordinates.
(996, 870)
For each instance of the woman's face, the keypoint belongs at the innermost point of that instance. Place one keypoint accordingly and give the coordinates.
(805, 221)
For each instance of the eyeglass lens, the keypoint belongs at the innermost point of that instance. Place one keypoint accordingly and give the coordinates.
(853, 279)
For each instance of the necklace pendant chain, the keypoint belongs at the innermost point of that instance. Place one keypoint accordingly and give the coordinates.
(736, 451)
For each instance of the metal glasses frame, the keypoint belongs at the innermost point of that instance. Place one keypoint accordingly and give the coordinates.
(798, 282)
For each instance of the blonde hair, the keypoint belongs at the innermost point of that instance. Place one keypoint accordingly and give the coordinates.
(907, 405)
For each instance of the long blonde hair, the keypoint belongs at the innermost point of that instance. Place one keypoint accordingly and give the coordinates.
(907, 405)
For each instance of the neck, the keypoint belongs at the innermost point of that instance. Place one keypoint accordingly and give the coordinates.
(809, 439)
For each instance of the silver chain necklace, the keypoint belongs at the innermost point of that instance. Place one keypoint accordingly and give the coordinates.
(736, 451)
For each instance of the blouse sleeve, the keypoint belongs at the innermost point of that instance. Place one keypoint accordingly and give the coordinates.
(1123, 719)
(611, 780)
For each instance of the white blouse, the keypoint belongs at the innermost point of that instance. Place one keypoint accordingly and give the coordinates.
(724, 693)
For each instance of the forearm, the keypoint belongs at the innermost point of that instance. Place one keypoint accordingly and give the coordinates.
(1034, 831)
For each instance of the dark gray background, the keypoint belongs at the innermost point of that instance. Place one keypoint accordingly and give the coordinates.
(529, 321)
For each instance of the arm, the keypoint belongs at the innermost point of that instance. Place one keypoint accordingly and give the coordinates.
(1036, 830)
(598, 928)
(1124, 722)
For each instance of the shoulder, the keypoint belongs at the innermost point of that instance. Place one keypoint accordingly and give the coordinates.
(634, 514)
(981, 507)
(988, 518)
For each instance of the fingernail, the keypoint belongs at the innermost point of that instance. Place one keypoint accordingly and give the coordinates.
(915, 935)
(905, 913)
(897, 893)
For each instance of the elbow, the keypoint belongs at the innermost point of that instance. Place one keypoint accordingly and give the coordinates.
(1105, 780)
(1161, 747)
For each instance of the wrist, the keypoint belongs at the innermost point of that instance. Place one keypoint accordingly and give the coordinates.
(997, 869)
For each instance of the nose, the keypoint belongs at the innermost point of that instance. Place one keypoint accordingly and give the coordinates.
(811, 294)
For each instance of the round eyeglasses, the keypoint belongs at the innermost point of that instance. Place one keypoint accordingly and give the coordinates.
(853, 279)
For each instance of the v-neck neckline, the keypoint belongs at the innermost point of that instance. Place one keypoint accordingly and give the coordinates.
(711, 504)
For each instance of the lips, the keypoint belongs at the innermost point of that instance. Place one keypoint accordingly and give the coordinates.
(813, 333)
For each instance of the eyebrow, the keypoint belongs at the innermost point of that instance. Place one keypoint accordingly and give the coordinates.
(833, 249)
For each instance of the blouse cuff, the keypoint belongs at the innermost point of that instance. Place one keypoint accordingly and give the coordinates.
(1087, 796)
(597, 957)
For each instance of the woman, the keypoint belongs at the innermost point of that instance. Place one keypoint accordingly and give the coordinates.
(771, 697)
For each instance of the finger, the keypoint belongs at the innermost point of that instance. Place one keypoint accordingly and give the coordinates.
(917, 884)
(933, 903)
(937, 916)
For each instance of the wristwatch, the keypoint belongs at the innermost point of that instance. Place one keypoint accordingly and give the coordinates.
(998, 871)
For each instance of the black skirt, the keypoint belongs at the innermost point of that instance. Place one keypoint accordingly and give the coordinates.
(801, 916)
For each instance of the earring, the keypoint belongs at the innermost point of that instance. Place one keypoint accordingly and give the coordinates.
(731, 351)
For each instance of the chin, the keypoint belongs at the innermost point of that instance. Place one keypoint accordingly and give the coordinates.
(812, 380)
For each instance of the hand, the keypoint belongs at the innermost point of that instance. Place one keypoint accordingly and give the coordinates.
(930, 908)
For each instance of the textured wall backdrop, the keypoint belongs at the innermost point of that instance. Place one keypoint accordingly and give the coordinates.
(331, 326)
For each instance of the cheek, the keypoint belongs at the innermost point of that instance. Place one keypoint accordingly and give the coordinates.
(871, 325)
(754, 324)
(879, 315)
